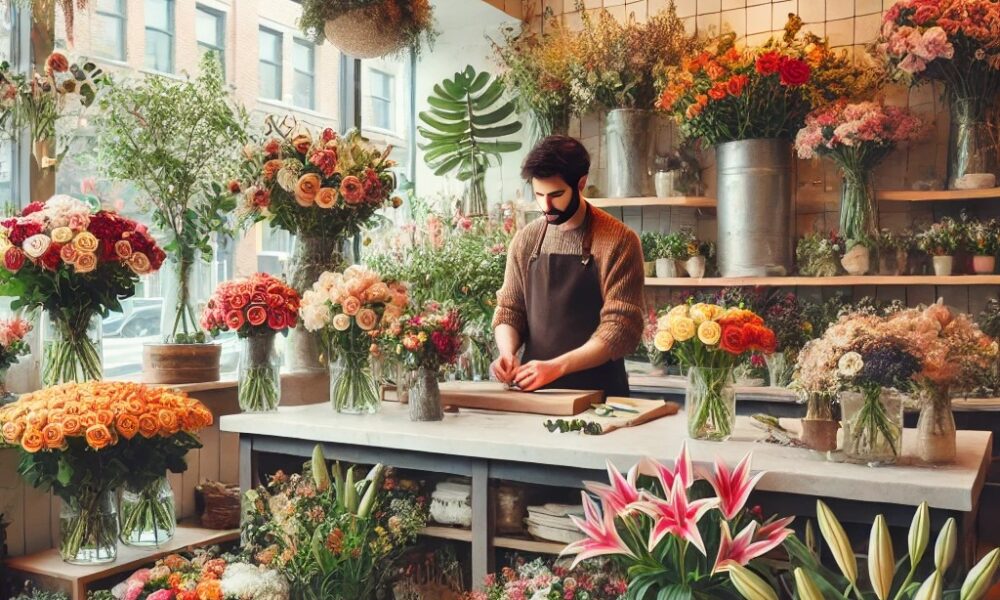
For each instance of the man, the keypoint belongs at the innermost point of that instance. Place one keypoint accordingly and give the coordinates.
(573, 288)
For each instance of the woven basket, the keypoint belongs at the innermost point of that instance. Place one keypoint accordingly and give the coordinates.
(222, 505)
(359, 34)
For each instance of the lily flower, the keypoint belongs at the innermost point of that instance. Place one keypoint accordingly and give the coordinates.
(749, 543)
(733, 488)
(676, 515)
(622, 492)
(602, 535)
(682, 469)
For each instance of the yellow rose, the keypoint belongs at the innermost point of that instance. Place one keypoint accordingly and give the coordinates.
(61, 235)
(663, 341)
(85, 242)
(682, 329)
(680, 309)
(709, 332)
(701, 313)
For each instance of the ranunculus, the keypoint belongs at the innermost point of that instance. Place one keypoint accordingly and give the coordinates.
(123, 249)
(234, 320)
(139, 263)
(325, 161)
(794, 72)
(682, 329)
(663, 341)
(61, 235)
(351, 305)
(270, 169)
(98, 436)
(709, 332)
(341, 322)
(326, 197)
(718, 91)
(256, 315)
(13, 259)
(234, 186)
(272, 147)
(56, 63)
(86, 242)
(768, 63)
(733, 341)
(306, 189)
(276, 320)
(367, 319)
(85, 262)
(302, 141)
(352, 190)
(736, 84)
(36, 245)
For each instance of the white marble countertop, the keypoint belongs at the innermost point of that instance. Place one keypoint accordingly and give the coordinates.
(521, 438)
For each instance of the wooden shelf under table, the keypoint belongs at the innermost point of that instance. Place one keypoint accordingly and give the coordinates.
(845, 280)
(444, 532)
(512, 543)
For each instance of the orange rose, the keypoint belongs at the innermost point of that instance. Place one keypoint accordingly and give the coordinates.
(98, 436)
(105, 417)
(32, 441)
(302, 141)
(306, 189)
(271, 169)
(352, 190)
(351, 306)
(12, 431)
(326, 198)
(71, 425)
(209, 589)
(127, 425)
(149, 425)
(168, 421)
(134, 406)
(54, 436)
(38, 418)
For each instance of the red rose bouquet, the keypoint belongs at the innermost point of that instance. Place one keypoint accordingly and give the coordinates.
(710, 340)
(76, 261)
(429, 338)
(725, 94)
(257, 309)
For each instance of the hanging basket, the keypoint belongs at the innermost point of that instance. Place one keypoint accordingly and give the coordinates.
(361, 35)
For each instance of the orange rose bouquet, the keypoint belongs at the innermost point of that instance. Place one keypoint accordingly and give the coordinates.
(85, 441)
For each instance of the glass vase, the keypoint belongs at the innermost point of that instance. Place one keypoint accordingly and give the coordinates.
(311, 256)
(5, 396)
(88, 527)
(936, 426)
(779, 372)
(971, 147)
(873, 425)
(710, 403)
(352, 384)
(71, 347)
(478, 357)
(147, 515)
(425, 395)
(259, 374)
(858, 218)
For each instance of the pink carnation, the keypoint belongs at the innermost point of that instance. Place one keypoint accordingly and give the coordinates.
(161, 595)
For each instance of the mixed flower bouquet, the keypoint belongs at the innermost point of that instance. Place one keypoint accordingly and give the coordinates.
(315, 183)
(428, 338)
(76, 261)
(818, 254)
(590, 580)
(256, 308)
(333, 538)
(942, 238)
(710, 341)
(202, 577)
(857, 136)
(723, 93)
(12, 344)
(350, 308)
(983, 237)
(679, 535)
(83, 441)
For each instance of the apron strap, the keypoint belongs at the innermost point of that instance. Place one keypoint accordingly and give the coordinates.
(538, 244)
(588, 238)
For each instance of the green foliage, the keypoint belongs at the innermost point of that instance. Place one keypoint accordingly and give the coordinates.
(465, 127)
(42, 595)
(650, 243)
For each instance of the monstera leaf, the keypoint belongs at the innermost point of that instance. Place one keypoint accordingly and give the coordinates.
(464, 130)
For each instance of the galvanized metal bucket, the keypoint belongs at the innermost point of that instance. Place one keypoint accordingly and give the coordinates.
(629, 146)
(755, 208)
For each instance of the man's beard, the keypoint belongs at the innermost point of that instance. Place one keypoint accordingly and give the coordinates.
(558, 217)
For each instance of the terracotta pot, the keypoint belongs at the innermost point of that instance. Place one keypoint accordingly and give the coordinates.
(180, 363)
(943, 265)
(820, 434)
(984, 265)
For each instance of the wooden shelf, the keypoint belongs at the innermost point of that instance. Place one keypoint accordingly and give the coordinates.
(528, 545)
(49, 568)
(845, 280)
(682, 201)
(937, 195)
(447, 533)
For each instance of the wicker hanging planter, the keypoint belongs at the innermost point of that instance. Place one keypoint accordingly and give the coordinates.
(369, 28)
(362, 34)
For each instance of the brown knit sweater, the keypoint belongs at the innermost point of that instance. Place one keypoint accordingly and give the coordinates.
(618, 257)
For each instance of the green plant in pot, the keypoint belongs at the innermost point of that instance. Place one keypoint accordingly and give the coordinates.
(650, 247)
(174, 139)
(466, 129)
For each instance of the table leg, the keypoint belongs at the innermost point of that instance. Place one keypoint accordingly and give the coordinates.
(482, 537)
(248, 464)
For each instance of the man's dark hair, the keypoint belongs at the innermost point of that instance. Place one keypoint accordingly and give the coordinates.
(557, 155)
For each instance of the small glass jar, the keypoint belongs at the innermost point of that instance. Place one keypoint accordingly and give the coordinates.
(88, 527)
(259, 378)
(873, 425)
(710, 403)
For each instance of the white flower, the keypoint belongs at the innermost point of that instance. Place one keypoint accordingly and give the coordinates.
(287, 179)
(850, 364)
(36, 245)
(247, 582)
(315, 316)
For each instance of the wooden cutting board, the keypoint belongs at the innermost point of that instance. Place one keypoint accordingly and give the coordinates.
(490, 395)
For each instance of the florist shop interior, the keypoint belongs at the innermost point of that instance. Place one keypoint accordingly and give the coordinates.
(499, 299)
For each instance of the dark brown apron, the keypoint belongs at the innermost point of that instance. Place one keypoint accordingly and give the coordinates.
(563, 300)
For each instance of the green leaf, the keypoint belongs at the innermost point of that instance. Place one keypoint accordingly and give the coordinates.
(445, 95)
(455, 90)
(445, 104)
(449, 115)
(496, 132)
(439, 137)
(500, 147)
(479, 82)
(446, 166)
(65, 475)
(491, 95)
(441, 126)
(496, 116)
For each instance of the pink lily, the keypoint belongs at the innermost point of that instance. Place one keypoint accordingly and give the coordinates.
(682, 469)
(602, 535)
(733, 488)
(742, 549)
(617, 497)
(676, 516)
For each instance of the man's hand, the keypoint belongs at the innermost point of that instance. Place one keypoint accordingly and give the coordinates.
(505, 368)
(537, 373)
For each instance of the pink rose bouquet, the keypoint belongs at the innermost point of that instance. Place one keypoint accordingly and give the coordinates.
(12, 344)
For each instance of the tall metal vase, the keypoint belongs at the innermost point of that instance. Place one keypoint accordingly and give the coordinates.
(754, 207)
(629, 150)
(312, 255)
(971, 145)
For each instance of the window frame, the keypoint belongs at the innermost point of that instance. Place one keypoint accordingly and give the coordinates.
(171, 35)
(261, 29)
(390, 101)
(296, 42)
(220, 32)
(121, 19)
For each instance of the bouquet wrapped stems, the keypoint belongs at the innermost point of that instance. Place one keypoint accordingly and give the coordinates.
(72, 350)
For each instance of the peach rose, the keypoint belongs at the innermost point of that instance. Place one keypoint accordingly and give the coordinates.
(85, 262)
(352, 190)
(54, 436)
(351, 305)
(139, 263)
(127, 425)
(68, 254)
(123, 249)
(12, 431)
(378, 292)
(326, 197)
(86, 242)
(302, 142)
(168, 421)
(306, 189)
(149, 425)
(367, 319)
(71, 425)
(32, 441)
(98, 436)
(271, 169)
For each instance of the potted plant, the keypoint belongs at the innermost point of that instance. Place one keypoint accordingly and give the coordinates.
(749, 104)
(175, 140)
(857, 137)
(650, 249)
(893, 252)
(671, 251)
(614, 69)
(953, 43)
(369, 28)
(983, 242)
(940, 241)
(818, 254)
(695, 255)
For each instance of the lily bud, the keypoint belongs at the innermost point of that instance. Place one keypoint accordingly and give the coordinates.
(805, 587)
(920, 534)
(944, 549)
(931, 589)
(350, 493)
(320, 477)
(881, 562)
(749, 585)
(981, 576)
(836, 538)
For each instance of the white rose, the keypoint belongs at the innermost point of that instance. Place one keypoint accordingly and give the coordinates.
(850, 364)
(36, 245)
(341, 322)
(315, 317)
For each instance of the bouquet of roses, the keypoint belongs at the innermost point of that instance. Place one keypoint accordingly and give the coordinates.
(256, 308)
(12, 344)
(710, 341)
(315, 183)
(591, 580)
(428, 338)
(723, 93)
(76, 261)
(83, 441)
(349, 309)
